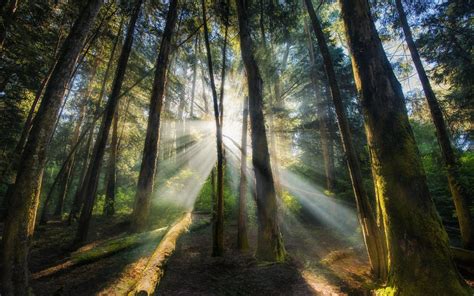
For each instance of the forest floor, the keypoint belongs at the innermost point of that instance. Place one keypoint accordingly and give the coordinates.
(52, 247)
(333, 268)
(319, 263)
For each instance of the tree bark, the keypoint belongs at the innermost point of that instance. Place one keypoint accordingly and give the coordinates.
(154, 269)
(419, 259)
(148, 167)
(270, 244)
(93, 171)
(242, 239)
(109, 206)
(218, 235)
(20, 220)
(373, 235)
(459, 192)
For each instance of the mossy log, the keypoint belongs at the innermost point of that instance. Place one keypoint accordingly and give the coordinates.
(154, 270)
(105, 249)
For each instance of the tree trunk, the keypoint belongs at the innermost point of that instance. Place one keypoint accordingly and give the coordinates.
(218, 237)
(459, 192)
(93, 171)
(64, 186)
(242, 240)
(77, 202)
(224, 60)
(109, 206)
(193, 89)
(323, 113)
(270, 244)
(12, 165)
(7, 18)
(64, 167)
(150, 151)
(419, 259)
(373, 235)
(20, 220)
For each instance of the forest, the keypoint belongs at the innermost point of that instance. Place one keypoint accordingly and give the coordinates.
(236, 147)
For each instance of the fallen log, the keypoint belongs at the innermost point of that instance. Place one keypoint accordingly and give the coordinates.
(154, 270)
(103, 250)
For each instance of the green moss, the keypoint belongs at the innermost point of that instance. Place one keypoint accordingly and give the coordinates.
(290, 202)
(113, 246)
(386, 291)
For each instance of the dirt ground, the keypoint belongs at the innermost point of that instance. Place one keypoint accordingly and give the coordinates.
(319, 263)
(192, 271)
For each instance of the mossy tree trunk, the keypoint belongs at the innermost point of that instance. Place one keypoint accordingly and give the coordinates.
(20, 220)
(459, 192)
(242, 239)
(148, 167)
(270, 243)
(419, 258)
(218, 236)
(93, 171)
(372, 233)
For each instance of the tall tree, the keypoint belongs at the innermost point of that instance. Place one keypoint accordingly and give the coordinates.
(146, 177)
(20, 220)
(66, 179)
(459, 192)
(323, 113)
(109, 206)
(417, 243)
(242, 239)
(270, 243)
(193, 89)
(373, 235)
(92, 176)
(78, 196)
(218, 235)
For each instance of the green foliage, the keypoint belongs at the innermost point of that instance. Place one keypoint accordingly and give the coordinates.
(467, 170)
(290, 203)
(446, 42)
(205, 203)
(436, 174)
